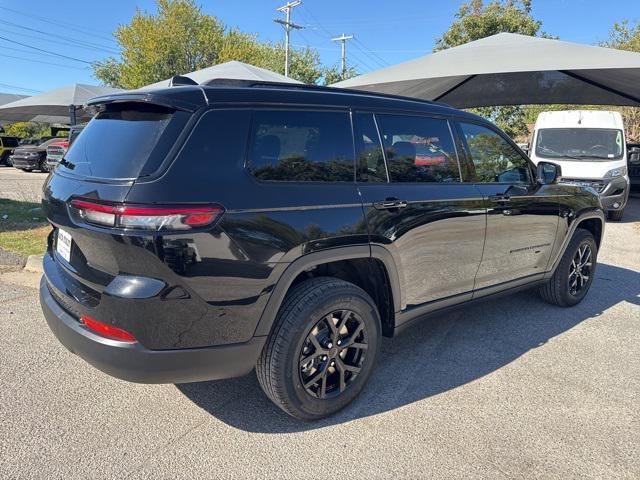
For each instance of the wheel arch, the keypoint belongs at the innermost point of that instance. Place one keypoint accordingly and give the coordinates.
(593, 221)
(381, 283)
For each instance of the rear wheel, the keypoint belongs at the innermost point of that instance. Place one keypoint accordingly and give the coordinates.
(615, 215)
(322, 349)
(4, 159)
(574, 275)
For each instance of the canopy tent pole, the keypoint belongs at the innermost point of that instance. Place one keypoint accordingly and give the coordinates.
(72, 115)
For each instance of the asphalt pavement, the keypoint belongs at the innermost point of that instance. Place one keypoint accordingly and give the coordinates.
(511, 388)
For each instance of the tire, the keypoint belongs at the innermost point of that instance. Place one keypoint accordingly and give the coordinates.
(4, 160)
(558, 290)
(27, 169)
(615, 215)
(306, 309)
(43, 167)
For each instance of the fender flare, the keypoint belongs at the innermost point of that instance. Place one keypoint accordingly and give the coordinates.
(597, 214)
(318, 258)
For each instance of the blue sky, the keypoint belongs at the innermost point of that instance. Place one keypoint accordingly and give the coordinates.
(386, 32)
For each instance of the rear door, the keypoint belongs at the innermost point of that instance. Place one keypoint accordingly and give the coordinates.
(522, 218)
(416, 205)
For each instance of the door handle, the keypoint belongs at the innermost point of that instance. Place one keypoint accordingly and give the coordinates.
(390, 204)
(500, 198)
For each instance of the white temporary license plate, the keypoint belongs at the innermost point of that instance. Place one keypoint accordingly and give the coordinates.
(63, 244)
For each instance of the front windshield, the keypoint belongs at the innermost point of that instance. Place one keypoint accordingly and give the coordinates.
(580, 143)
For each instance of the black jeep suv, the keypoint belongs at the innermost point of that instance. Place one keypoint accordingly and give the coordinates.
(202, 231)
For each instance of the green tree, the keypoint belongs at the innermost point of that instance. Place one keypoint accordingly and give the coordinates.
(477, 19)
(27, 129)
(334, 74)
(179, 39)
(626, 36)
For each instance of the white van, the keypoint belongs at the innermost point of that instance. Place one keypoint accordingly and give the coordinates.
(590, 148)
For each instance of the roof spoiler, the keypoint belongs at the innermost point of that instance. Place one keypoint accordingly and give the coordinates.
(188, 101)
(178, 80)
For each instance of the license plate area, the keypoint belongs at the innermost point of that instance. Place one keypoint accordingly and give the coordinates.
(64, 241)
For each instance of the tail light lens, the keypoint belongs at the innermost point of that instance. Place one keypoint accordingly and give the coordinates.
(106, 330)
(140, 217)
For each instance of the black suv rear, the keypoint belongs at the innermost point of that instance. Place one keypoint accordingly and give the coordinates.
(202, 231)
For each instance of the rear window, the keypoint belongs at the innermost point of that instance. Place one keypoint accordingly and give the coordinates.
(125, 141)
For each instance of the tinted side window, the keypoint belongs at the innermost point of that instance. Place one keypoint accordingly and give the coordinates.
(494, 159)
(10, 142)
(301, 146)
(418, 149)
(370, 164)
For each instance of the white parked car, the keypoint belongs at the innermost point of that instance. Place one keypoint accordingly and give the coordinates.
(590, 147)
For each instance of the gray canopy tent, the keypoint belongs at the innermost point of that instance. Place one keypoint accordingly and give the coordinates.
(62, 105)
(511, 69)
(229, 70)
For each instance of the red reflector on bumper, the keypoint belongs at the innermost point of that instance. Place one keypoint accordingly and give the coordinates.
(107, 330)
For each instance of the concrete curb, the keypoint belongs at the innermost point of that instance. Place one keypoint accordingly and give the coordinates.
(34, 263)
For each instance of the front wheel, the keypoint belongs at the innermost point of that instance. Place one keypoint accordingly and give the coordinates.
(322, 348)
(574, 275)
(615, 215)
(43, 167)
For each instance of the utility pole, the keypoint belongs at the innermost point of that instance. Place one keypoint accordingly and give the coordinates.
(288, 26)
(343, 38)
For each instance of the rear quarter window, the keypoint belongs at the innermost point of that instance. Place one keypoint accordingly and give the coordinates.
(125, 141)
(301, 146)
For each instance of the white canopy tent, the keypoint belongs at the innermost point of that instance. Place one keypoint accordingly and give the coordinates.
(229, 70)
(10, 97)
(62, 105)
(512, 69)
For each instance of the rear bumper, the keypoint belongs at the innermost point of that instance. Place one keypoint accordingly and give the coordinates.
(135, 363)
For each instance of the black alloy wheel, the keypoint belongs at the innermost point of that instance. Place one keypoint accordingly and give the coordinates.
(580, 269)
(332, 354)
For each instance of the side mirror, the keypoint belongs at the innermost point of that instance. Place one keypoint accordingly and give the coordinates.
(634, 155)
(548, 173)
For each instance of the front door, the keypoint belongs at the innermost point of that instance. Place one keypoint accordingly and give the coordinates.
(522, 219)
(416, 205)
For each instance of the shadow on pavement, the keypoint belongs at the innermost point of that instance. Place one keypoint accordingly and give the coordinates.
(437, 355)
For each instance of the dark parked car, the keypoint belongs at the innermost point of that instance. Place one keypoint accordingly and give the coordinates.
(7, 146)
(288, 228)
(633, 162)
(32, 157)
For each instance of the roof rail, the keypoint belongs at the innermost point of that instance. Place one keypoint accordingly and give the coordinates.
(228, 82)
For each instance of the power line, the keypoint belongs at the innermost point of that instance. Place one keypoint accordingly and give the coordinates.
(43, 38)
(373, 56)
(57, 22)
(45, 51)
(15, 87)
(288, 26)
(80, 43)
(42, 62)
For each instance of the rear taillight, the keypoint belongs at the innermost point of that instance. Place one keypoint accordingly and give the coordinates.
(106, 330)
(152, 217)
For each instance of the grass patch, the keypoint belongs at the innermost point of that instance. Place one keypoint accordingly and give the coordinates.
(23, 227)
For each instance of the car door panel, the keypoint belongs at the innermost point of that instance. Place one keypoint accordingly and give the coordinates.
(436, 240)
(432, 224)
(522, 217)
